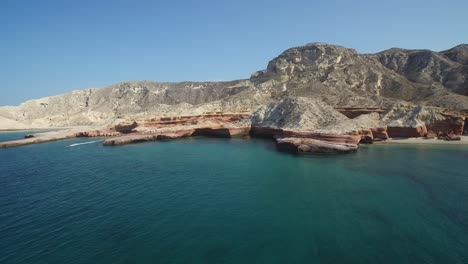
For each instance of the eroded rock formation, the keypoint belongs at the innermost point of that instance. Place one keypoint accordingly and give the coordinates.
(306, 94)
(309, 145)
(125, 127)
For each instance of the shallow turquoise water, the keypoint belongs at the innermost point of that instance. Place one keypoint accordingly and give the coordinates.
(4, 136)
(231, 201)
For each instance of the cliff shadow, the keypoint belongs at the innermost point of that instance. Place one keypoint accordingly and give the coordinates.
(209, 132)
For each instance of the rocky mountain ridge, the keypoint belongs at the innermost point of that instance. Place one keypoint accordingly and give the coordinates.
(338, 76)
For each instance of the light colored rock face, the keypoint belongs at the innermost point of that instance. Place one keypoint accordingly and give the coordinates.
(309, 145)
(406, 115)
(362, 122)
(125, 100)
(334, 75)
(298, 113)
(12, 124)
(306, 114)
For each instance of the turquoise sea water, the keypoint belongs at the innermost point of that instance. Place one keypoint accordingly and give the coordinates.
(231, 201)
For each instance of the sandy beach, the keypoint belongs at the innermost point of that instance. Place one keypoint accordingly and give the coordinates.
(463, 141)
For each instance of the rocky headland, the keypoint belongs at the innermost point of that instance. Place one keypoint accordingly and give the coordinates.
(317, 98)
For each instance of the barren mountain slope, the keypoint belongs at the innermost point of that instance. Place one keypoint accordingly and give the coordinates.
(336, 75)
(342, 77)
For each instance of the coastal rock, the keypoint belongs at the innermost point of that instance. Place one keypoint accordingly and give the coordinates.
(366, 136)
(221, 132)
(125, 127)
(239, 131)
(452, 138)
(405, 132)
(334, 138)
(170, 134)
(453, 123)
(362, 122)
(309, 145)
(219, 119)
(311, 115)
(45, 137)
(379, 133)
(431, 134)
(265, 132)
(98, 133)
(141, 137)
(406, 120)
(297, 113)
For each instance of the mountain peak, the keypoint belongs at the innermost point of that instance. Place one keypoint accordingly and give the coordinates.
(458, 54)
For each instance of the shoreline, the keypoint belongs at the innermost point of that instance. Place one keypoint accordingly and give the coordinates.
(423, 141)
(58, 134)
(44, 129)
(25, 130)
(301, 142)
(38, 129)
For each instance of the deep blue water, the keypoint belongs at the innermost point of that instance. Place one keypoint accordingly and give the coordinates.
(231, 201)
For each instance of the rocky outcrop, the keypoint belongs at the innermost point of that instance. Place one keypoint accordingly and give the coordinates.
(125, 127)
(98, 133)
(302, 125)
(453, 123)
(226, 125)
(379, 133)
(138, 138)
(191, 120)
(466, 126)
(297, 113)
(46, 137)
(405, 132)
(406, 120)
(302, 115)
(452, 137)
(309, 145)
(366, 136)
(175, 134)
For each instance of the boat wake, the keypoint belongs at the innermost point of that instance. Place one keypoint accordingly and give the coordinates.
(84, 143)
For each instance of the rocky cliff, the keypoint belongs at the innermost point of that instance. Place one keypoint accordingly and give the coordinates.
(313, 98)
(338, 76)
(344, 78)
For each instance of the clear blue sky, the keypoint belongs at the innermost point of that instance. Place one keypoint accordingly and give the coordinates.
(51, 47)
